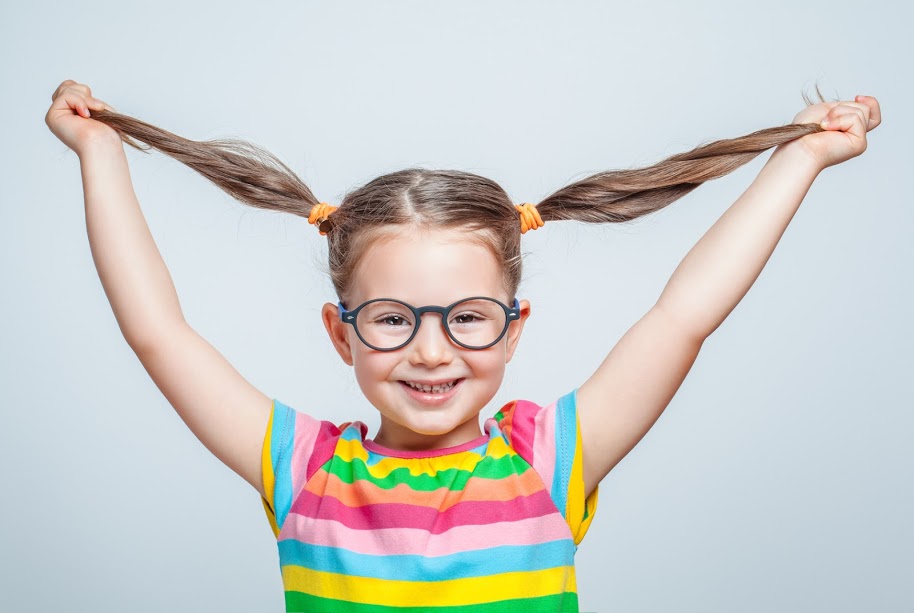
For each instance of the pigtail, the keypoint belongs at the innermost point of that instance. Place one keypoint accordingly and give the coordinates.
(416, 198)
(622, 195)
(244, 171)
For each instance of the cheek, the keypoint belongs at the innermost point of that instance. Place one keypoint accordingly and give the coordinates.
(372, 367)
(490, 365)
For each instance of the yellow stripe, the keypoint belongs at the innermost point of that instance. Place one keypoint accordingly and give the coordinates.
(269, 479)
(576, 503)
(452, 592)
(347, 450)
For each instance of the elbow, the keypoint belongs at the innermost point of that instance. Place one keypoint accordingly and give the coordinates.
(147, 338)
(695, 327)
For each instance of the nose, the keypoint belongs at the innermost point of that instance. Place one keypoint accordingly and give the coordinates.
(431, 346)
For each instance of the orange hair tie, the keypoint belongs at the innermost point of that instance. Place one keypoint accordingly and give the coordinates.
(319, 216)
(529, 217)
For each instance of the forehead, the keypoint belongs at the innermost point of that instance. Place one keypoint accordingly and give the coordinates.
(428, 267)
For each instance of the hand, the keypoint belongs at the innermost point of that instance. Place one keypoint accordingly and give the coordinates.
(69, 116)
(845, 125)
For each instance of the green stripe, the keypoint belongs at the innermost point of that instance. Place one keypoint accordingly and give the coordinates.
(455, 478)
(558, 603)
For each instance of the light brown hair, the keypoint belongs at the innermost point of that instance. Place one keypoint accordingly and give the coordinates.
(422, 199)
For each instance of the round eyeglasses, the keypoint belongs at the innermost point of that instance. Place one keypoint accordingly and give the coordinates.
(385, 324)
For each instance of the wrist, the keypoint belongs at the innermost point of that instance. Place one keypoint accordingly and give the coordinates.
(102, 144)
(799, 156)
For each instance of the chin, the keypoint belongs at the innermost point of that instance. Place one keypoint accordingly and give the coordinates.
(433, 427)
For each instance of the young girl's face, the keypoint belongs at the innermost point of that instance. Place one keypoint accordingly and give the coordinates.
(421, 269)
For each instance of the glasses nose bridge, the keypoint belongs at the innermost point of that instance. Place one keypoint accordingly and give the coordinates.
(441, 311)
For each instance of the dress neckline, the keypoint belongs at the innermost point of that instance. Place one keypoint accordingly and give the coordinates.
(370, 445)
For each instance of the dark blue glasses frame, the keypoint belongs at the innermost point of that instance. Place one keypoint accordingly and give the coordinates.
(349, 317)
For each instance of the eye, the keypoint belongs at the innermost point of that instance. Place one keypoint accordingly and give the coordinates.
(392, 320)
(467, 318)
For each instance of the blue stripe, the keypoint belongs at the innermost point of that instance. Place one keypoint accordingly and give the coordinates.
(482, 449)
(351, 433)
(282, 439)
(565, 439)
(476, 563)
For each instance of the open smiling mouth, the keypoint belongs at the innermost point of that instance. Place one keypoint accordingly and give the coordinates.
(431, 394)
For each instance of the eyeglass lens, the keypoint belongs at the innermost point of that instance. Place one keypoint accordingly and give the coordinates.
(475, 323)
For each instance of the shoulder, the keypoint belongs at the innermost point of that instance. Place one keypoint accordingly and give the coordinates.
(548, 438)
(543, 435)
(530, 428)
(295, 446)
(296, 438)
(289, 425)
(516, 421)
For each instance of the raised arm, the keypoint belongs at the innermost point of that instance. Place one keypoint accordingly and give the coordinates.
(226, 413)
(620, 402)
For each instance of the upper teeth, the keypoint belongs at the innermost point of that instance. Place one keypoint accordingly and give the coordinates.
(432, 388)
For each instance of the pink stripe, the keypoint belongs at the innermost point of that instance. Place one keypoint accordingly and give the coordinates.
(325, 445)
(401, 515)
(522, 429)
(544, 445)
(306, 429)
(415, 541)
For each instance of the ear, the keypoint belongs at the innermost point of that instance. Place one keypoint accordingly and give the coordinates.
(515, 328)
(339, 335)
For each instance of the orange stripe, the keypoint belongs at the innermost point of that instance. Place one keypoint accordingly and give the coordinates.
(323, 483)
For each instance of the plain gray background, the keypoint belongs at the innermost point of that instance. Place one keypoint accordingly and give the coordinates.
(779, 478)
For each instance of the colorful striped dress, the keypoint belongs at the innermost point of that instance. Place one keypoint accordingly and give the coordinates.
(488, 526)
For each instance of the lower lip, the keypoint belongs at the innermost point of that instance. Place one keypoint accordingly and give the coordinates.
(430, 398)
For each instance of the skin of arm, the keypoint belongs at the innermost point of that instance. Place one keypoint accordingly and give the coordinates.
(130, 267)
(620, 402)
(639, 377)
(719, 270)
(223, 410)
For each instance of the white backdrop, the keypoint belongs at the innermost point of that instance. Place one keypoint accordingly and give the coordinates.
(779, 478)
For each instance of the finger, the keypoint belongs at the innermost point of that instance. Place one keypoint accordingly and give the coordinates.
(875, 112)
(856, 105)
(867, 109)
(95, 103)
(851, 121)
(80, 88)
(844, 109)
(76, 102)
(73, 87)
(60, 88)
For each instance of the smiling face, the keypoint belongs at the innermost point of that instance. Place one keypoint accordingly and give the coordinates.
(426, 268)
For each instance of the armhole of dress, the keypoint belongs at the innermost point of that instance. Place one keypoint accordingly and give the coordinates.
(267, 464)
(579, 510)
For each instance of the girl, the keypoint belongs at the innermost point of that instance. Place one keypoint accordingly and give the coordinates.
(434, 513)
